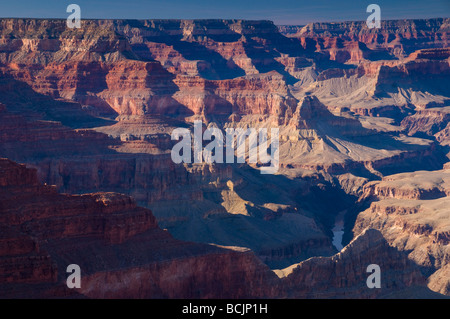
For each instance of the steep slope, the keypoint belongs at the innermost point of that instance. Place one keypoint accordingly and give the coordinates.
(327, 276)
(412, 212)
(119, 247)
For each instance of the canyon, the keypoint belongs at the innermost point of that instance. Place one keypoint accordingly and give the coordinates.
(124, 254)
(88, 113)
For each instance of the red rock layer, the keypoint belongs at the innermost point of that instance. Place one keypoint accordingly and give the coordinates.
(354, 40)
(349, 268)
(115, 243)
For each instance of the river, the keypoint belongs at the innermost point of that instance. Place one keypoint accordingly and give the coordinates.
(338, 230)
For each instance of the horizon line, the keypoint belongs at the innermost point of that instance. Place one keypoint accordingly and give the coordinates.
(226, 19)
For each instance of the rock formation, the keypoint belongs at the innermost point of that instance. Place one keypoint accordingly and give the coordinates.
(326, 276)
(124, 254)
(119, 247)
(92, 111)
(396, 38)
(411, 211)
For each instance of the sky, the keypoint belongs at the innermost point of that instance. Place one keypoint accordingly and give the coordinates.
(280, 11)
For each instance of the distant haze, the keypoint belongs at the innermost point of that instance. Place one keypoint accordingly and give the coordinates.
(281, 11)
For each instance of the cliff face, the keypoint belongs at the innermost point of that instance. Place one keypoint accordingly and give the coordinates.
(33, 208)
(329, 275)
(214, 67)
(94, 68)
(409, 210)
(432, 121)
(123, 253)
(395, 37)
(119, 247)
(78, 161)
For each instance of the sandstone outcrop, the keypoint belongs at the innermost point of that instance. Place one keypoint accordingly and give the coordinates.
(119, 247)
(395, 37)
